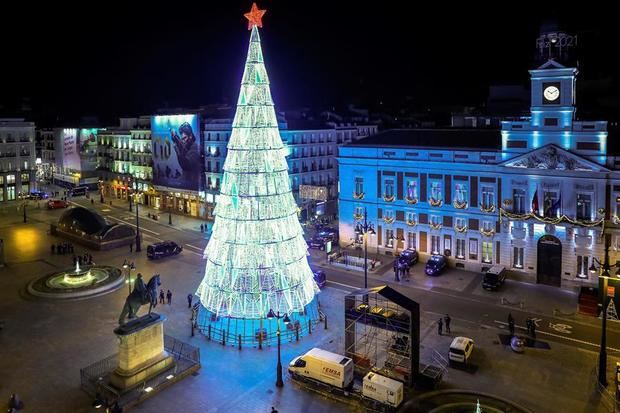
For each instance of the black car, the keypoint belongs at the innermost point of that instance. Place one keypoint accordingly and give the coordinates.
(408, 257)
(436, 265)
(317, 242)
(163, 249)
(494, 278)
(320, 278)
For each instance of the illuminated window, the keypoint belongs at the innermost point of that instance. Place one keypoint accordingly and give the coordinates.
(389, 188)
(487, 226)
(436, 191)
(411, 240)
(411, 217)
(487, 252)
(435, 244)
(10, 179)
(518, 201)
(459, 222)
(412, 189)
(517, 258)
(460, 193)
(359, 185)
(584, 207)
(473, 249)
(488, 196)
(435, 220)
(582, 266)
(460, 249)
(389, 238)
(551, 204)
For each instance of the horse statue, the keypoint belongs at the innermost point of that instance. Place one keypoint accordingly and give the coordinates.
(141, 295)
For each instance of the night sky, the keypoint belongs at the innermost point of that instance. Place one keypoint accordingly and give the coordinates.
(110, 58)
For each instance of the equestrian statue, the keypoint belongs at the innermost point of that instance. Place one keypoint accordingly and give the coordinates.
(141, 295)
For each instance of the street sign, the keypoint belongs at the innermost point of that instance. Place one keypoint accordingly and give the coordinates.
(611, 291)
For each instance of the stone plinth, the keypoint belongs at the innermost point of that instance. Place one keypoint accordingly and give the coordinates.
(141, 351)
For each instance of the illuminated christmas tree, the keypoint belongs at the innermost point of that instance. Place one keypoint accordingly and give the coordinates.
(257, 255)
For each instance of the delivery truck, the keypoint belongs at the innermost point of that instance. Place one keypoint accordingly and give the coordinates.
(382, 389)
(323, 366)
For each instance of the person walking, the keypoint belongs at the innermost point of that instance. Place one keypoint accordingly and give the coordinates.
(273, 410)
(511, 324)
(189, 300)
(169, 297)
(161, 296)
(528, 324)
(439, 326)
(202, 228)
(396, 271)
(447, 320)
(131, 246)
(533, 329)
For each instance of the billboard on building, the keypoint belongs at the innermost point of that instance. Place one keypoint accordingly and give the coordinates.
(88, 149)
(70, 150)
(176, 141)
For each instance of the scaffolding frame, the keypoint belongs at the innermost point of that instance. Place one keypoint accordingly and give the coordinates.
(382, 333)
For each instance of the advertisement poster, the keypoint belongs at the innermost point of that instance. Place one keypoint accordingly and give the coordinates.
(176, 151)
(70, 151)
(88, 148)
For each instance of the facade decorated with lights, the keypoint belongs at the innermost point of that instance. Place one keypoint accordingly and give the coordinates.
(536, 197)
(257, 256)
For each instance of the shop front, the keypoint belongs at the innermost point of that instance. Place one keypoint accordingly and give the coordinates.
(182, 203)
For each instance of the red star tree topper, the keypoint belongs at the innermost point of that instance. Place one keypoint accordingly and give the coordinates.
(255, 17)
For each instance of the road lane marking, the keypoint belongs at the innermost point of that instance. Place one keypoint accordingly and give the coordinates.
(133, 225)
(343, 285)
(193, 252)
(196, 248)
(562, 337)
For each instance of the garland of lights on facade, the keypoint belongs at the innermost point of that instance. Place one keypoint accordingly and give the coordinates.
(256, 257)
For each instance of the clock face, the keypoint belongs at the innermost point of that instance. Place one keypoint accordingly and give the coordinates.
(551, 93)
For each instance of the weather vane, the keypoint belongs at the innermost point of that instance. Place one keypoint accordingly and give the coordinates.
(255, 17)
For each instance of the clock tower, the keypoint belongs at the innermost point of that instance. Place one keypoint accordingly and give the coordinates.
(553, 96)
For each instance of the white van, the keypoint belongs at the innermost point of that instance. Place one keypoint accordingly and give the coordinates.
(461, 349)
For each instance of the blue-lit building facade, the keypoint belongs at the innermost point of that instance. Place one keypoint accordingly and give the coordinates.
(534, 197)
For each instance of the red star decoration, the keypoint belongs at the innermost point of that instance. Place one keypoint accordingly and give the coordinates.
(255, 17)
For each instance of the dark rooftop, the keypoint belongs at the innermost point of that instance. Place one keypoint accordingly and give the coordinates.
(486, 139)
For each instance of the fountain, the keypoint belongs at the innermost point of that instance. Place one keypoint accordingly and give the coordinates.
(78, 282)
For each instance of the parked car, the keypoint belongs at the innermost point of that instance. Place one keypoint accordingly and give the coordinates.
(436, 265)
(328, 233)
(461, 349)
(320, 278)
(36, 195)
(316, 243)
(494, 278)
(57, 203)
(163, 249)
(408, 257)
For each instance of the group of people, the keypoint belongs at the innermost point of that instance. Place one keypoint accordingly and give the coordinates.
(85, 259)
(62, 248)
(167, 296)
(401, 271)
(441, 322)
(530, 324)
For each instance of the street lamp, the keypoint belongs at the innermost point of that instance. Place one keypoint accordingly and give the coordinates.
(365, 229)
(101, 191)
(605, 274)
(270, 316)
(129, 266)
(138, 247)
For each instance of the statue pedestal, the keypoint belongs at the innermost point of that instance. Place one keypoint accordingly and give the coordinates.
(141, 351)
